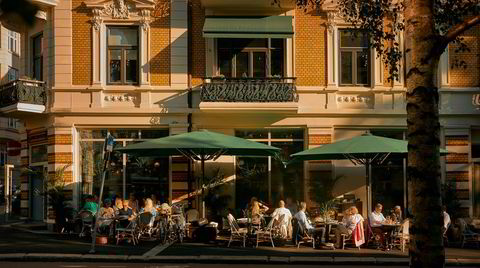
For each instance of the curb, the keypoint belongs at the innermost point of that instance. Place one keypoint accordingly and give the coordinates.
(47, 257)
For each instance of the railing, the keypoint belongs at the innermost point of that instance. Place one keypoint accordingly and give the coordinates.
(271, 89)
(23, 91)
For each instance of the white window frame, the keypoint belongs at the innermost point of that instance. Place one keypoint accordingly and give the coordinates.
(13, 42)
(354, 51)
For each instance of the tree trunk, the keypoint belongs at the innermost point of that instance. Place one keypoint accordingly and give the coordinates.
(426, 245)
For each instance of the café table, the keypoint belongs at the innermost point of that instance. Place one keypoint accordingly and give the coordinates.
(328, 227)
(389, 229)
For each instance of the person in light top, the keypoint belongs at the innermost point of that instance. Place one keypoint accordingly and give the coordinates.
(301, 217)
(446, 219)
(285, 225)
(348, 224)
(376, 220)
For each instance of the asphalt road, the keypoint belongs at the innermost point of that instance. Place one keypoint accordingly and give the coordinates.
(148, 265)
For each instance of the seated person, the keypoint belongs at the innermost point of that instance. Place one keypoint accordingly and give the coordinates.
(397, 214)
(255, 212)
(106, 214)
(446, 219)
(90, 205)
(118, 204)
(348, 224)
(302, 219)
(126, 210)
(376, 220)
(285, 225)
(149, 207)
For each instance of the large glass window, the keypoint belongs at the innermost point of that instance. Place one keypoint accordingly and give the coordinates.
(122, 46)
(37, 66)
(243, 58)
(143, 176)
(12, 74)
(265, 177)
(388, 178)
(354, 58)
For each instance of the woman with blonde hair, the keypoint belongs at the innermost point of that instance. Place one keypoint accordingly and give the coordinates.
(149, 207)
(348, 224)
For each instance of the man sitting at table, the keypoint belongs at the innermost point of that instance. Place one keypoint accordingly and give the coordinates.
(302, 220)
(397, 214)
(348, 224)
(285, 224)
(376, 221)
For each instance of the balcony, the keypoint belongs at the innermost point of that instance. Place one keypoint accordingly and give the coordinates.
(254, 94)
(22, 97)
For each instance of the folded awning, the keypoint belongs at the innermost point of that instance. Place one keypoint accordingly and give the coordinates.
(248, 27)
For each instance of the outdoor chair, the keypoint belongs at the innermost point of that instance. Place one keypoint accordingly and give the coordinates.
(88, 222)
(301, 235)
(269, 231)
(349, 237)
(125, 230)
(145, 225)
(237, 233)
(445, 236)
(403, 236)
(468, 236)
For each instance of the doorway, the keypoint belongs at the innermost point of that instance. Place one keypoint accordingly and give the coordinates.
(37, 193)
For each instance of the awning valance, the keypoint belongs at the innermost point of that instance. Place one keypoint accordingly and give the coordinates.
(248, 27)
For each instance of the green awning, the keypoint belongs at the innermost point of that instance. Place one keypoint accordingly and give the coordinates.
(248, 27)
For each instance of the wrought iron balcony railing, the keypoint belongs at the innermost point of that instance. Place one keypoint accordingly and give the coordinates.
(23, 91)
(272, 89)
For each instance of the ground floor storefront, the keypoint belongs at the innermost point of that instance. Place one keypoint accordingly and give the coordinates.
(78, 141)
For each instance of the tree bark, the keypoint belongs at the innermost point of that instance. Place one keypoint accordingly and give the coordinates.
(426, 240)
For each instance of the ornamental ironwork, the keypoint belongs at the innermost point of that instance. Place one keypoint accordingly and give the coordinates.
(219, 89)
(23, 91)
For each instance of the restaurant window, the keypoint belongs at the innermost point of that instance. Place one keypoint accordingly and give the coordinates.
(122, 55)
(259, 58)
(266, 177)
(13, 42)
(39, 153)
(354, 58)
(143, 176)
(388, 177)
(37, 66)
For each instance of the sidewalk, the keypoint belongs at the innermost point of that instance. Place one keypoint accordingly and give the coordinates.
(16, 244)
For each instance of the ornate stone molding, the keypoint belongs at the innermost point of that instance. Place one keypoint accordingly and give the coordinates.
(120, 98)
(136, 10)
(354, 99)
(331, 23)
(145, 19)
(476, 101)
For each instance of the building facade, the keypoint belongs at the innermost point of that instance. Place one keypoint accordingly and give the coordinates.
(280, 75)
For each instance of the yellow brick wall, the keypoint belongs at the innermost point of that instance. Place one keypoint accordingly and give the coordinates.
(60, 139)
(319, 139)
(310, 55)
(468, 76)
(198, 43)
(82, 44)
(63, 158)
(160, 49)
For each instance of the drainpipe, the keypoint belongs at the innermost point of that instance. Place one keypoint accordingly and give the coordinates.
(189, 94)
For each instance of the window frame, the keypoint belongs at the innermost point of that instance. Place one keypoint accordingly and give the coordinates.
(354, 52)
(123, 61)
(36, 57)
(9, 73)
(251, 50)
(13, 47)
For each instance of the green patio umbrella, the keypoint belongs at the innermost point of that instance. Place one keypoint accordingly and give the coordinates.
(201, 146)
(366, 150)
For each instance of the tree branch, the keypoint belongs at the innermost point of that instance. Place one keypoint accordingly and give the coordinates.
(460, 28)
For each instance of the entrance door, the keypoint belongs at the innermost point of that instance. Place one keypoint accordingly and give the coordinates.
(36, 196)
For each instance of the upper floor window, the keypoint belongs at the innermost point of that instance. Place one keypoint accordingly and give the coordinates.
(354, 58)
(250, 57)
(12, 122)
(122, 53)
(37, 61)
(12, 74)
(13, 41)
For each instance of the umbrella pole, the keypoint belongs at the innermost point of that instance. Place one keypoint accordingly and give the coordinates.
(369, 186)
(201, 185)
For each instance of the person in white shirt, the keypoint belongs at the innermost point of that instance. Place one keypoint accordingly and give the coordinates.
(446, 220)
(348, 224)
(376, 219)
(285, 224)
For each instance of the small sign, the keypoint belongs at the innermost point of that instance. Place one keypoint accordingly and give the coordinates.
(109, 142)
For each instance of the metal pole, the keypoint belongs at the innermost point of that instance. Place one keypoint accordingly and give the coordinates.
(201, 185)
(369, 186)
(94, 235)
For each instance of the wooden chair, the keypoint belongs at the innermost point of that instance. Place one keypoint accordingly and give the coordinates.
(349, 237)
(267, 233)
(125, 230)
(88, 222)
(237, 233)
